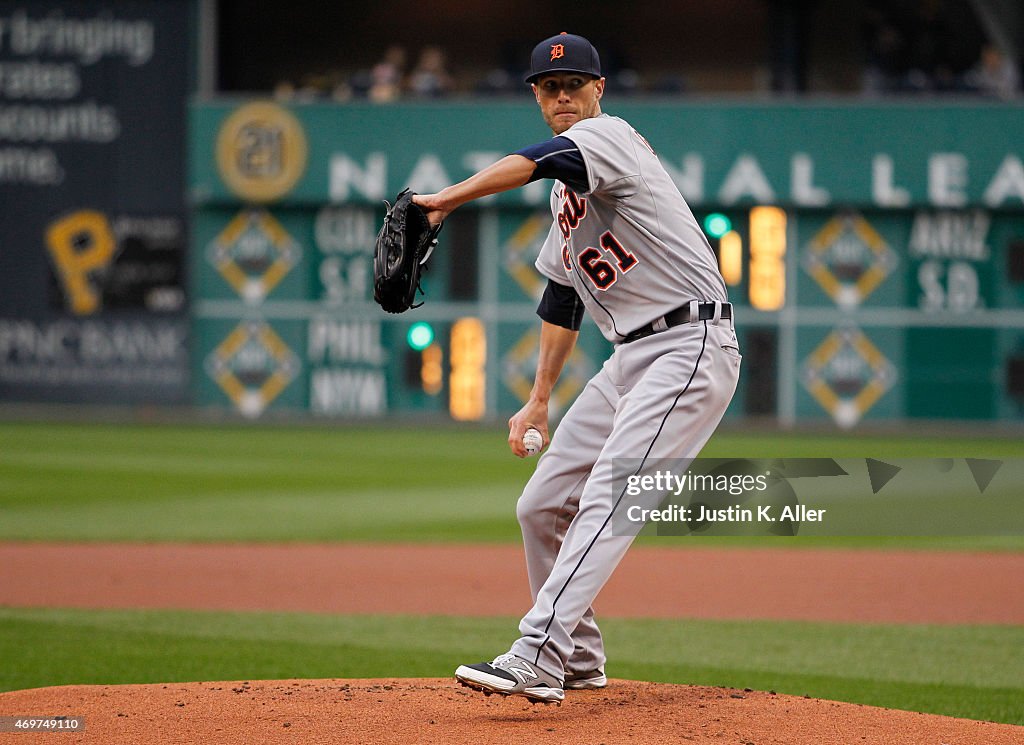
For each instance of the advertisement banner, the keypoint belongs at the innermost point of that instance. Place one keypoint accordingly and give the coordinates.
(93, 231)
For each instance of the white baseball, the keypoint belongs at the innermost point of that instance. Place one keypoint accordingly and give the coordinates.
(533, 441)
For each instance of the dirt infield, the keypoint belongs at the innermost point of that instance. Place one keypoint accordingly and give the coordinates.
(833, 585)
(652, 582)
(437, 712)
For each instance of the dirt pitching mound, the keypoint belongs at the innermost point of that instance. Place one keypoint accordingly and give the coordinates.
(431, 710)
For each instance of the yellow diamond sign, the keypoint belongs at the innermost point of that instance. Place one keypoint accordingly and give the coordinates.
(252, 366)
(847, 375)
(253, 253)
(849, 259)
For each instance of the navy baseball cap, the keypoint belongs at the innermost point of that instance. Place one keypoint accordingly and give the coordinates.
(564, 53)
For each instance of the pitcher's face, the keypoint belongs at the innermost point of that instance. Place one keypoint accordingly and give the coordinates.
(568, 97)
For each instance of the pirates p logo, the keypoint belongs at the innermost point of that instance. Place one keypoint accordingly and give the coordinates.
(82, 246)
(557, 51)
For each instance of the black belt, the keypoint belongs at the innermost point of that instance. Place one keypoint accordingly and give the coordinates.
(679, 316)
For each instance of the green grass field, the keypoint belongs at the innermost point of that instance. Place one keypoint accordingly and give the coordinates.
(84, 482)
(961, 671)
(161, 483)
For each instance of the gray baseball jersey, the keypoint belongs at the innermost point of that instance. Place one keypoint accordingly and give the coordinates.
(633, 252)
(630, 246)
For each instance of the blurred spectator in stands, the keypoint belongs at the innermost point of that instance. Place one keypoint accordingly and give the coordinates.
(995, 75)
(919, 46)
(430, 78)
(386, 76)
(885, 52)
(314, 86)
(308, 88)
(284, 90)
(945, 42)
(499, 82)
(669, 84)
(624, 83)
(338, 88)
(927, 68)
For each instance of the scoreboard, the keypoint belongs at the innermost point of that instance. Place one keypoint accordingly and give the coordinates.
(875, 256)
(285, 317)
(881, 314)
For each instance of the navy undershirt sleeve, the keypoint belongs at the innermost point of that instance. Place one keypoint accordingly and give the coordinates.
(558, 158)
(561, 306)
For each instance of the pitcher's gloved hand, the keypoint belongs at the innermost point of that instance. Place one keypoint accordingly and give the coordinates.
(404, 244)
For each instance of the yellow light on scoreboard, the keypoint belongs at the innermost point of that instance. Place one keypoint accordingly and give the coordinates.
(767, 258)
(467, 382)
(730, 257)
(430, 369)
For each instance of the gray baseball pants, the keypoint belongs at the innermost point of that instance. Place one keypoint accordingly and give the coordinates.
(658, 397)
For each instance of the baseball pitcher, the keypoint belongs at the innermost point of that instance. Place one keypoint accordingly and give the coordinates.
(625, 247)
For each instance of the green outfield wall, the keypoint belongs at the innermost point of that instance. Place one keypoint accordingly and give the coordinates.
(875, 254)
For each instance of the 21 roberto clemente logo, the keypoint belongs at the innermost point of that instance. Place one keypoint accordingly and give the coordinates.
(261, 151)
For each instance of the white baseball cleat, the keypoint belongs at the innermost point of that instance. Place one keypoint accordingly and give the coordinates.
(510, 675)
(586, 681)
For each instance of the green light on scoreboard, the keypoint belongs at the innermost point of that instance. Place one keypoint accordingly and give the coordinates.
(420, 336)
(716, 225)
